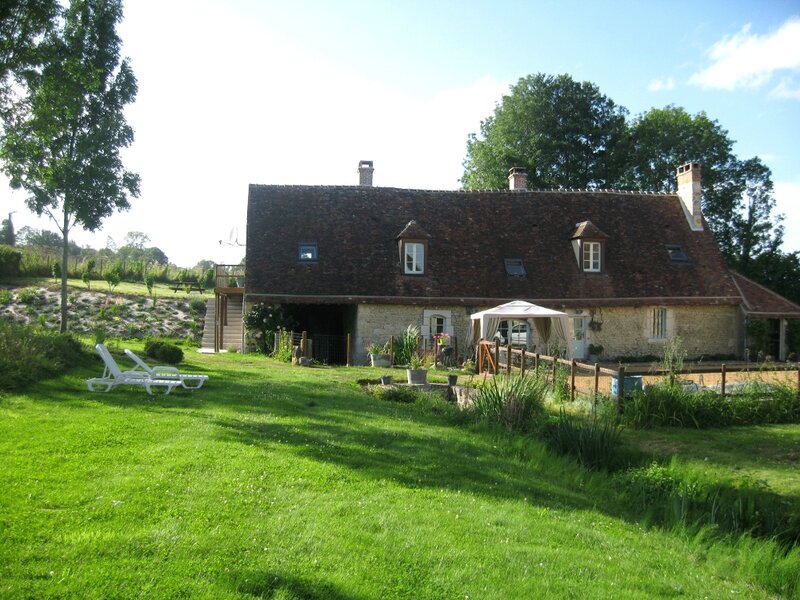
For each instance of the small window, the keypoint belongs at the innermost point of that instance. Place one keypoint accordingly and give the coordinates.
(414, 253)
(515, 267)
(658, 326)
(307, 252)
(591, 256)
(676, 254)
(437, 324)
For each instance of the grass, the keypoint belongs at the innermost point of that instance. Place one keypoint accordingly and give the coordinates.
(287, 483)
(161, 290)
(766, 453)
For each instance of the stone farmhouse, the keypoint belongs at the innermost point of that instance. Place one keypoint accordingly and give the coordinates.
(630, 269)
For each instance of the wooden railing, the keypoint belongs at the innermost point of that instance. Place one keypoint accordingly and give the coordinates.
(229, 277)
(494, 358)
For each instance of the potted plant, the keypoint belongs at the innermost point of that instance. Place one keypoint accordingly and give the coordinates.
(595, 350)
(416, 373)
(378, 355)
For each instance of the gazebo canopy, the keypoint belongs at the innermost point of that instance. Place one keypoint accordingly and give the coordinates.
(546, 321)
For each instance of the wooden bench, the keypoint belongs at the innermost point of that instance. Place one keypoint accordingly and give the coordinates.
(189, 286)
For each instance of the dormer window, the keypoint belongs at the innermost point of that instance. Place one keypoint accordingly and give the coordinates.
(588, 243)
(413, 244)
(515, 267)
(591, 256)
(414, 253)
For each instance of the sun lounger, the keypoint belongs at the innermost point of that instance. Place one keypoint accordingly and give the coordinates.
(190, 381)
(114, 376)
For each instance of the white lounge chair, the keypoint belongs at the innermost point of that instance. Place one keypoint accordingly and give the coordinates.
(114, 376)
(188, 380)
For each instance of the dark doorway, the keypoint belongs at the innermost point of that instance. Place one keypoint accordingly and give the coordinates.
(327, 326)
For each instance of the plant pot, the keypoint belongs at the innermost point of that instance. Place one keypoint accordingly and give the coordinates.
(379, 360)
(417, 376)
(452, 380)
(386, 380)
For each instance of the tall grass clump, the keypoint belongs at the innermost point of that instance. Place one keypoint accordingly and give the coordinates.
(594, 443)
(406, 345)
(29, 354)
(666, 405)
(515, 401)
(675, 498)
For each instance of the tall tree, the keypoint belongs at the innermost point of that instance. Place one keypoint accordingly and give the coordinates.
(566, 133)
(62, 140)
(7, 234)
(737, 195)
(23, 23)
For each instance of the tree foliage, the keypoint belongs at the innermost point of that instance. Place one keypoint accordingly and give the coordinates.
(565, 133)
(62, 139)
(23, 23)
(568, 134)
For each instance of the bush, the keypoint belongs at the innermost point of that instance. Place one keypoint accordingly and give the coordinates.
(595, 444)
(10, 260)
(28, 354)
(406, 345)
(395, 393)
(29, 296)
(162, 351)
(514, 402)
(6, 297)
(197, 306)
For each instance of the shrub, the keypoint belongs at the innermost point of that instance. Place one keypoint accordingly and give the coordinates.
(514, 402)
(29, 296)
(262, 321)
(197, 306)
(395, 393)
(162, 351)
(595, 443)
(283, 350)
(28, 354)
(6, 297)
(10, 260)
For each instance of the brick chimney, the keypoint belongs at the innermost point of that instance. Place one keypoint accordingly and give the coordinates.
(689, 193)
(365, 173)
(517, 178)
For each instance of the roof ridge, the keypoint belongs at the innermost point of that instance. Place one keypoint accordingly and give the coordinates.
(463, 191)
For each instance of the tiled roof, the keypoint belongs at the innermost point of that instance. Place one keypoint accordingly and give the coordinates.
(587, 229)
(470, 236)
(759, 301)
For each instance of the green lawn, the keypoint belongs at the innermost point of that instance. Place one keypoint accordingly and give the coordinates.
(289, 483)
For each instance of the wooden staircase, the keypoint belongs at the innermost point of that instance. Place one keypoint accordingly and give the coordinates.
(232, 330)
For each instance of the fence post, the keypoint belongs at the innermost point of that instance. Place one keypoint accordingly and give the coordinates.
(304, 344)
(596, 381)
(573, 368)
(496, 357)
(508, 359)
(455, 350)
(722, 386)
(620, 389)
(536, 363)
(347, 350)
(391, 350)
(522, 363)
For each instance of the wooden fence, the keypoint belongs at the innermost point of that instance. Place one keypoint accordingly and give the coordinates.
(494, 358)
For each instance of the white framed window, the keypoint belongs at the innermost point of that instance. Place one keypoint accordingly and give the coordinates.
(437, 324)
(591, 252)
(414, 258)
(658, 323)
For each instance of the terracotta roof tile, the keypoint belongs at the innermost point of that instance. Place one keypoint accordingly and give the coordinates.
(763, 302)
(471, 235)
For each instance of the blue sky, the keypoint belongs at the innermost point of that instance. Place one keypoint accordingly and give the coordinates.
(236, 92)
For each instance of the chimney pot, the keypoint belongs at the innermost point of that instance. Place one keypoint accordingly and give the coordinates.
(365, 170)
(517, 178)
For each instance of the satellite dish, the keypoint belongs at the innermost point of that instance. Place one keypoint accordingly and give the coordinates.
(233, 238)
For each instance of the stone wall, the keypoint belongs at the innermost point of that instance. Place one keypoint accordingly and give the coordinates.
(376, 323)
(704, 330)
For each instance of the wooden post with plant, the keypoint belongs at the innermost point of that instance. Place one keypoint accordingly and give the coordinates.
(572, 368)
(496, 356)
(596, 380)
(620, 389)
(723, 377)
(391, 350)
(508, 358)
(347, 351)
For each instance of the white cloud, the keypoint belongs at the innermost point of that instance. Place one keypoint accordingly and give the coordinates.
(748, 60)
(786, 89)
(661, 85)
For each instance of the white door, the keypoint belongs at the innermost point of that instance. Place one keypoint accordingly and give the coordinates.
(578, 337)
